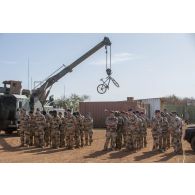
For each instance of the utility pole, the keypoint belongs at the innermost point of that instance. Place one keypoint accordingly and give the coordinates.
(28, 73)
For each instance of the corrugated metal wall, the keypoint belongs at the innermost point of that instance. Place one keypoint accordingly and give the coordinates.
(97, 109)
(155, 104)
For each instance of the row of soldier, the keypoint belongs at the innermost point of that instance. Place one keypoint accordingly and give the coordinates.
(167, 131)
(43, 129)
(129, 130)
(126, 129)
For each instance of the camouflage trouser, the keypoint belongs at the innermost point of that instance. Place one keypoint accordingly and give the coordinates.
(155, 136)
(129, 140)
(27, 136)
(22, 136)
(39, 137)
(88, 133)
(110, 136)
(70, 138)
(172, 135)
(119, 139)
(177, 144)
(144, 137)
(32, 135)
(55, 138)
(81, 137)
(62, 138)
(77, 138)
(163, 140)
(124, 134)
(168, 139)
(136, 140)
(47, 136)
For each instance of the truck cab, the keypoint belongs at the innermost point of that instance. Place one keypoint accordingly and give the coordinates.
(190, 136)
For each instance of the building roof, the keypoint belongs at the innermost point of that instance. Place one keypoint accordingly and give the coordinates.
(20, 96)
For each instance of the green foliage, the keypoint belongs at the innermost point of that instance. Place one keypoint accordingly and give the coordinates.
(72, 102)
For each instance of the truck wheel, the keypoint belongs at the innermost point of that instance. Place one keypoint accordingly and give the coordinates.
(193, 143)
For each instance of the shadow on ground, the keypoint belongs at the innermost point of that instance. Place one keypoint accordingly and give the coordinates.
(166, 157)
(146, 155)
(97, 154)
(120, 154)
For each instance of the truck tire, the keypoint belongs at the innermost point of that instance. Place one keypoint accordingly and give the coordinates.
(193, 143)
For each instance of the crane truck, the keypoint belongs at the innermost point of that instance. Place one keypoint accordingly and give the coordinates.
(12, 99)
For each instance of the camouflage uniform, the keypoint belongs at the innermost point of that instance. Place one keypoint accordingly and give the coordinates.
(163, 138)
(55, 132)
(39, 132)
(70, 131)
(47, 130)
(111, 127)
(88, 130)
(131, 136)
(119, 132)
(32, 126)
(62, 132)
(124, 129)
(79, 131)
(143, 132)
(23, 126)
(139, 133)
(177, 144)
(168, 137)
(27, 131)
(156, 131)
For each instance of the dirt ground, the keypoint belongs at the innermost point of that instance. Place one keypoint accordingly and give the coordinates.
(11, 152)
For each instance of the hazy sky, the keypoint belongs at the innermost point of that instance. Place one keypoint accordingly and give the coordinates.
(145, 65)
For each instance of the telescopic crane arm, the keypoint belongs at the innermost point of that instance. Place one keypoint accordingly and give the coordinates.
(42, 92)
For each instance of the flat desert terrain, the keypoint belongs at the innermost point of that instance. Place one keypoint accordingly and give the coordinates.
(10, 152)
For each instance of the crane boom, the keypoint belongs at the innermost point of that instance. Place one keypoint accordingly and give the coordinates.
(41, 93)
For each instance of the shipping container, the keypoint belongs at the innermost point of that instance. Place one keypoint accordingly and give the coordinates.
(97, 109)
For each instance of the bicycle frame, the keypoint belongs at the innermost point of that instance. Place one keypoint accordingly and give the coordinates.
(105, 81)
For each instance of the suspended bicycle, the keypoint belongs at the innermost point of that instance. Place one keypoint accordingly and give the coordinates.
(104, 86)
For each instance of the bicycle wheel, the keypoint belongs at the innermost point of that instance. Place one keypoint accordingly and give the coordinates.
(115, 83)
(101, 89)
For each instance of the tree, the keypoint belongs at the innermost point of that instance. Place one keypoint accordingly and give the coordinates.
(72, 102)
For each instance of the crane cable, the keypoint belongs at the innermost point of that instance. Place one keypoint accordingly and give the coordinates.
(108, 69)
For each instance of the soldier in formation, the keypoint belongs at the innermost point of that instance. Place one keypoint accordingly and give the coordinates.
(111, 131)
(55, 130)
(88, 129)
(164, 126)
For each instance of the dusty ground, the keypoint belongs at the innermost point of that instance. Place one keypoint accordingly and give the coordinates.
(10, 152)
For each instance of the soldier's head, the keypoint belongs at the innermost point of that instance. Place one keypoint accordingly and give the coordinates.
(142, 114)
(112, 113)
(116, 113)
(69, 112)
(44, 112)
(31, 113)
(174, 114)
(137, 113)
(165, 110)
(122, 113)
(130, 111)
(54, 113)
(88, 114)
(74, 114)
(106, 111)
(51, 113)
(38, 111)
(157, 113)
(60, 114)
